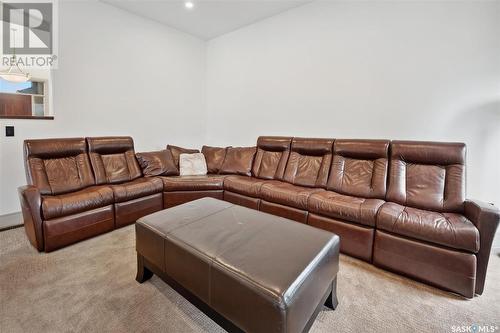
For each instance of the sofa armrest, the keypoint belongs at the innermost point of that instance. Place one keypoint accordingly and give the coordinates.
(485, 217)
(31, 203)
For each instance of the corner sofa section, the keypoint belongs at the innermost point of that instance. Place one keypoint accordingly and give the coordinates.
(178, 190)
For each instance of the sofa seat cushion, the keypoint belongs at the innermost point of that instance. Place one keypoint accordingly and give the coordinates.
(137, 188)
(249, 186)
(76, 202)
(448, 229)
(345, 207)
(287, 194)
(193, 183)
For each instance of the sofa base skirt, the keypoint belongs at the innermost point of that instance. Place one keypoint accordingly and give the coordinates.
(67, 230)
(171, 199)
(355, 240)
(242, 200)
(444, 268)
(291, 213)
(129, 211)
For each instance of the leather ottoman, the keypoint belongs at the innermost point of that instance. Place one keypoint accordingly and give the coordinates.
(248, 270)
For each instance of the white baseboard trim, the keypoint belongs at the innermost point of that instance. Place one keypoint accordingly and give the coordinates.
(10, 221)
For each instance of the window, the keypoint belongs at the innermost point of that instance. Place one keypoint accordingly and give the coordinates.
(24, 99)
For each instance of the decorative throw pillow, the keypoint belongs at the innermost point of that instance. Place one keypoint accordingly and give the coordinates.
(238, 161)
(177, 151)
(214, 157)
(192, 164)
(157, 163)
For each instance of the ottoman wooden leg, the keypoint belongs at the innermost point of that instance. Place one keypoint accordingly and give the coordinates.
(143, 273)
(331, 300)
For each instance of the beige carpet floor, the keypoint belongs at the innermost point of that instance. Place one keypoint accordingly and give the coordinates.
(90, 287)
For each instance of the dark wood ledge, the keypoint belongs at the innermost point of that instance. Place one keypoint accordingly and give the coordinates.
(28, 117)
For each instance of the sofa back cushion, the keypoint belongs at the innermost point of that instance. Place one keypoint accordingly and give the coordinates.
(157, 163)
(113, 159)
(309, 162)
(214, 156)
(427, 175)
(57, 166)
(238, 161)
(271, 157)
(359, 168)
(177, 151)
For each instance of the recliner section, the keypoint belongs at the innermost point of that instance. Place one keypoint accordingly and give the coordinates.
(306, 173)
(115, 165)
(269, 164)
(356, 190)
(425, 215)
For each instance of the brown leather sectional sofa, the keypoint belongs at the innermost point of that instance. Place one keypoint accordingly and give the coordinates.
(398, 204)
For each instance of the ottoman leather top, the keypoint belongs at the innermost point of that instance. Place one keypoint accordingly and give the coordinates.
(208, 244)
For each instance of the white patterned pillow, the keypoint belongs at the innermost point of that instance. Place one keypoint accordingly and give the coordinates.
(192, 164)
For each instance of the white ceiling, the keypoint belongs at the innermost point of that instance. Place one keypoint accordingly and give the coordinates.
(208, 19)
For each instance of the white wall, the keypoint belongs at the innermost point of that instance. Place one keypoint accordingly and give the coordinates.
(107, 85)
(408, 70)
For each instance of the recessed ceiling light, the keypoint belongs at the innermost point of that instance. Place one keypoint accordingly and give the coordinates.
(189, 4)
